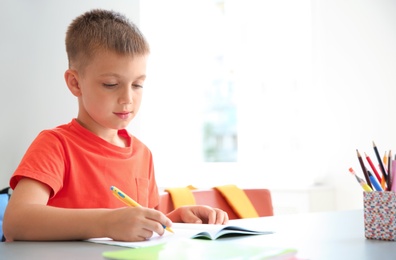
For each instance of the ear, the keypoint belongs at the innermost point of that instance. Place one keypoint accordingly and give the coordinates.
(71, 78)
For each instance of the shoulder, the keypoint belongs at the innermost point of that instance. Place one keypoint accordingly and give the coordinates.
(53, 134)
(137, 144)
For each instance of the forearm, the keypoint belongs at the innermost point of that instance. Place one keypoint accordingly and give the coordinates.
(41, 222)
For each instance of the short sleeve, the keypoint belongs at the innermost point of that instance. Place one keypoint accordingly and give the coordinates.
(44, 161)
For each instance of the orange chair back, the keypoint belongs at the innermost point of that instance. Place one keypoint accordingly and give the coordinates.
(260, 198)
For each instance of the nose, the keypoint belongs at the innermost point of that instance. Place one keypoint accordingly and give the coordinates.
(126, 96)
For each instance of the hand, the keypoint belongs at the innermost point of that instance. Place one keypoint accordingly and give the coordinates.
(29, 201)
(135, 224)
(199, 214)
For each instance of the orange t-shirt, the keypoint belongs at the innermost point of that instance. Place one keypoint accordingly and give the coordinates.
(80, 167)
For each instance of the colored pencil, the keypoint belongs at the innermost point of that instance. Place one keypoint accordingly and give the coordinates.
(389, 180)
(374, 182)
(380, 162)
(361, 181)
(393, 181)
(385, 162)
(366, 176)
(373, 167)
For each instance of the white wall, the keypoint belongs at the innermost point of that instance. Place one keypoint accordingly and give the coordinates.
(298, 125)
(354, 72)
(349, 104)
(33, 59)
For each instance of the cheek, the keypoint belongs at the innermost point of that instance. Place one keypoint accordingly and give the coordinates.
(137, 97)
(95, 101)
(137, 100)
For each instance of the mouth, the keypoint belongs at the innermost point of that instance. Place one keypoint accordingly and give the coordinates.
(123, 115)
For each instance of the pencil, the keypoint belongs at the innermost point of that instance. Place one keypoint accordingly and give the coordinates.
(389, 180)
(374, 182)
(129, 201)
(380, 162)
(383, 184)
(366, 176)
(385, 162)
(360, 181)
(373, 167)
(393, 182)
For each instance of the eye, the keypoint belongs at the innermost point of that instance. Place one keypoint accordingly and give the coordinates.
(137, 86)
(107, 85)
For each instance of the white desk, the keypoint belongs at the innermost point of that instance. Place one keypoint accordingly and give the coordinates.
(317, 236)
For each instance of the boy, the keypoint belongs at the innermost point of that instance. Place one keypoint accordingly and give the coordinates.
(62, 185)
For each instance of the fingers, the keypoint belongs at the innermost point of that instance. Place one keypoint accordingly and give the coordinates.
(158, 221)
(218, 216)
(145, 234)
(201, 214)
(221, 217)
(136, 224)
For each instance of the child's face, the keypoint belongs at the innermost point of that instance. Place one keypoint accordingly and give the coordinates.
(111, 91)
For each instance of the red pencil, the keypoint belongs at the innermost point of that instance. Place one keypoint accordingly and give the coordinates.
(373, 167)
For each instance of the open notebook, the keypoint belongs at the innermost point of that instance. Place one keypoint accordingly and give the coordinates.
(182, 230)
(208, 231)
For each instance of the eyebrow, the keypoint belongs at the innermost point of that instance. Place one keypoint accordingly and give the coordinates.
(141, 77)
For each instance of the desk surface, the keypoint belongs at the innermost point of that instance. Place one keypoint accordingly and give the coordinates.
(328, 235)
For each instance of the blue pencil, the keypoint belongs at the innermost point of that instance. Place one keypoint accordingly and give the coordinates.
(374, 181)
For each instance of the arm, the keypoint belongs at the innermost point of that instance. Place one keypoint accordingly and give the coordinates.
(27, 217)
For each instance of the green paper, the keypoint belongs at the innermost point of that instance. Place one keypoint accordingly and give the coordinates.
(201, 249)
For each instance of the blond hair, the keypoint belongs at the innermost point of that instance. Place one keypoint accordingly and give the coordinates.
(102, 30)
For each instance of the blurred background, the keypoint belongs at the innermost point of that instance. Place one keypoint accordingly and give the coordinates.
(269, 94)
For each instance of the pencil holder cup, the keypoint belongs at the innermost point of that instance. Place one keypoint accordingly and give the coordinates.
(380, 215)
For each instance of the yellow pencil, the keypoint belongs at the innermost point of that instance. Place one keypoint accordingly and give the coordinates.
(362, 183)
(366, 187)
(129, 201)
